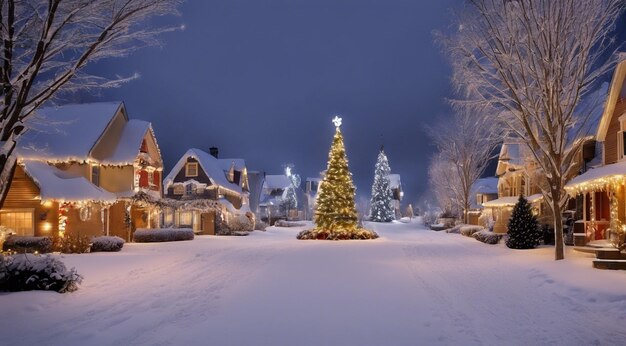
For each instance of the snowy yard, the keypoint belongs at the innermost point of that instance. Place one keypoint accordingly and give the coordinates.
(411, 286)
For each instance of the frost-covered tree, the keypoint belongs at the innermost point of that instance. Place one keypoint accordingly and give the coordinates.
(466, 141)
(382, 209)
(532, 61)
(290, 198)
(46, 46)
(445, 185)
(523, 228)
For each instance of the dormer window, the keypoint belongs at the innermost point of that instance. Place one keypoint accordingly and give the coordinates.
(621, 138)
(191, 169)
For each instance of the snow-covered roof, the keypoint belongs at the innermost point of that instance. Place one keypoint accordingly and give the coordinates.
(209, 164)
(597, 178)
(513, 155)
(510, 201)
(613, 95)
(58, 185)
(314, 179)
(278, 181)
(226, 164)
(65, 133)
(485, 186)
(130, 142)
(394, 181)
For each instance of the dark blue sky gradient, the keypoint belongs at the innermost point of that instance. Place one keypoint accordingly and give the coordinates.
(262, 79)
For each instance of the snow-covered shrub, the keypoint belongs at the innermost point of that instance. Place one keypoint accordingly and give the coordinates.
(429, 218)
(405, 219)
(26, 272)
(240, 223)
(285, 223)
(106, 244)
(456, 229)
(72, 243)
(143, 235)
(486, 219)
(22, 244)
(260, 225)
(469, 230)
(487, 236)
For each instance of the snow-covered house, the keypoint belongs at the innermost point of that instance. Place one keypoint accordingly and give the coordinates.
(311, 190)
(84, 169)
(395, 184)
(517, 175)
(601, 190)
(274, 198)
(483, 190)
(207, 188)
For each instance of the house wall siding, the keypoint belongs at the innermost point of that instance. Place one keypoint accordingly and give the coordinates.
(117, 179)
(108, 142)
(610, 143)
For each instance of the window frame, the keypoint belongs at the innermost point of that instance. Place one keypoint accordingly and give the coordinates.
(24, 211)
(188, 165)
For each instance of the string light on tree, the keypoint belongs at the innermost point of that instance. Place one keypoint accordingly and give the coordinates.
(336, 214)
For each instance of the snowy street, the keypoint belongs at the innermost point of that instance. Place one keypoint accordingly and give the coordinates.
(411, 286)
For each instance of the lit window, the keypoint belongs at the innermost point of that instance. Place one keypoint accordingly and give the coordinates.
(191, 169)
(21, 222)
(179, 189)
(185, 218)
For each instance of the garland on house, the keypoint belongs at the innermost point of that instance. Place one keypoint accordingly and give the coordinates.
(336, 215)
(382, 209)
(616, 233)
(523, 228)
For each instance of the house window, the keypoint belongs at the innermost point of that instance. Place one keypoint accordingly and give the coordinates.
(168, 217)
(21, 221)
(185, 218)
(621, 138)
(189, 189)
(179, 189)
(95, 175)
(191, 169)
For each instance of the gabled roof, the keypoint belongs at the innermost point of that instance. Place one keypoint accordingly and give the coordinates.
(66, 133)
(278, 181)
(129, 144)
(485, 186)
(617, 82)
(226, 164)
(513, 154)
(58, 185)
(209, 164)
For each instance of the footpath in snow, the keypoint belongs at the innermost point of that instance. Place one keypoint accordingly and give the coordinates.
(411, 286)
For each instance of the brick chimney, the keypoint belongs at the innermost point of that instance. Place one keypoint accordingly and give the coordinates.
(214, 151)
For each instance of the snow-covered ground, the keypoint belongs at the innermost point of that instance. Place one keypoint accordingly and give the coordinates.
(411, 286)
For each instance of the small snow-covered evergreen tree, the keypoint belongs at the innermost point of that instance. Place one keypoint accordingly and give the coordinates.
(523, 229)
(382, 209)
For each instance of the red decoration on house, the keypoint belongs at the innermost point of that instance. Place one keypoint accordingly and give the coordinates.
(143, 179)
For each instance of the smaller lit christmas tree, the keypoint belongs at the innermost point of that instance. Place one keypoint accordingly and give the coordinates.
(336, 215)
(382, 209)
(523, 229)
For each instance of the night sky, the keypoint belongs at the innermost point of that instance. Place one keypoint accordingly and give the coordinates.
(261, 80)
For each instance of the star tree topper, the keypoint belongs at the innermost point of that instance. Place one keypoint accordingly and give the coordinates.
(337, 121)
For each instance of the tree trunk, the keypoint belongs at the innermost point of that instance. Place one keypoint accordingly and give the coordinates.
(7, 170)
(558, 225)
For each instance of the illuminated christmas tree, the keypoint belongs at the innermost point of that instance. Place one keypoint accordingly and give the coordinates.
(523, 230)
(382, 208)
(336, 215)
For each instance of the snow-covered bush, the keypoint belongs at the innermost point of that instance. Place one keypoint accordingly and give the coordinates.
(429, 218)
(285, 223)
(26, 272)
(106, 244)
(72, 243)
(469, 230)
(260, 225)
(144, 235)
(486, 220)
(22, 244)
(487, 237)
(405, 219)
(456, 229)
(241, 223)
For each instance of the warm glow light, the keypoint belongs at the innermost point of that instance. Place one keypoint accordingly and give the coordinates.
(47, 204)
(47, 226)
